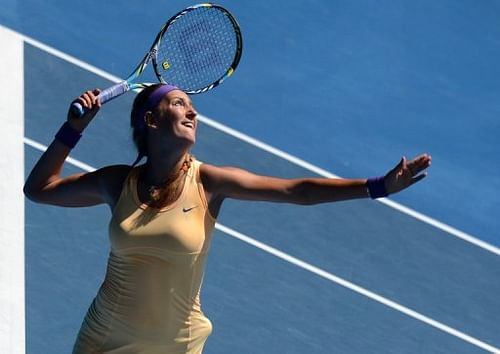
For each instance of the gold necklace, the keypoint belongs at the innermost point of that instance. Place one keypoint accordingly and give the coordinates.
(159, 193)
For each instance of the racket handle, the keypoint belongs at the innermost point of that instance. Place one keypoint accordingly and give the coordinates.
(107, 95)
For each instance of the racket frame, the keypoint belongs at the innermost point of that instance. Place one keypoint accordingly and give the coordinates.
(151, 56)
(230, 70)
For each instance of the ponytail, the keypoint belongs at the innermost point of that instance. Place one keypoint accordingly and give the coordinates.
(137, 123)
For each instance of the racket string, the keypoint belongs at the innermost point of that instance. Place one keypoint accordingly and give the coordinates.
(197, 49)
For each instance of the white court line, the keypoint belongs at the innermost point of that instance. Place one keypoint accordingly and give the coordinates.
(308, 166)
(320, 272)
(272, 150)
(12, 312)
(321, 172)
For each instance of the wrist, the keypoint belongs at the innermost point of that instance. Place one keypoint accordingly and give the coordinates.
(68, 135)
(78, 125)
(376, 187)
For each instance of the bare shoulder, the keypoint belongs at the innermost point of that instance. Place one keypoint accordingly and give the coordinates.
(111, 180)
(208, 176)
(225, 180)
(215, 180)
(212, 175)
(212, 171)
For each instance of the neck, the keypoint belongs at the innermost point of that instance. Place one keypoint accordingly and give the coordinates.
(163, 167)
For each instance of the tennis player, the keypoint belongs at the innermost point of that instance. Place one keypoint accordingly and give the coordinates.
(163, 216)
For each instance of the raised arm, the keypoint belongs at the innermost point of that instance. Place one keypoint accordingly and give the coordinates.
(227, 182)
(45, 183)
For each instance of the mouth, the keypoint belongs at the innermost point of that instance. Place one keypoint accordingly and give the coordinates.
(188, 124)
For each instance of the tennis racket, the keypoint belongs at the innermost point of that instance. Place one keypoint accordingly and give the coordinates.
(195, 50)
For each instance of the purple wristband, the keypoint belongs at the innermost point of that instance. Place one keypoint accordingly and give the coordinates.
(68, 136)
(376, 187)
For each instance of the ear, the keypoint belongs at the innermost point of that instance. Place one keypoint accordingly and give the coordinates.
(150, 120)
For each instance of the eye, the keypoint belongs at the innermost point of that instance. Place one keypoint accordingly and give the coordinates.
(178, 102)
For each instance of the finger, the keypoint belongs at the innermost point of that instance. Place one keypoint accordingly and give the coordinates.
(401, 165)
(92, 100)
(419, 169)
(418, 178)
(87, 99)
(92, 96)
(95, 96)
(421, 159)
(84, 101)
(419, 164)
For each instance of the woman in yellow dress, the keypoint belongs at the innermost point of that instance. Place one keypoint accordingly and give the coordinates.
(163, 216)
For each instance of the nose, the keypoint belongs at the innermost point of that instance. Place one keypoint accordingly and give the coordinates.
(191, 113)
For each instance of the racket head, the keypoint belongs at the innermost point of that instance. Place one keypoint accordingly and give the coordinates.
(198, 48)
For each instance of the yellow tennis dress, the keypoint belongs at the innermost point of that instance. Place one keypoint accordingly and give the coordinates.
(149, 302)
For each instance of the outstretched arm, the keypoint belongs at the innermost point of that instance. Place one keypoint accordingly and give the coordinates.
(227, 182)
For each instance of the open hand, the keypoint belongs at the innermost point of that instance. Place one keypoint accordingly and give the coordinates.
(406, 173)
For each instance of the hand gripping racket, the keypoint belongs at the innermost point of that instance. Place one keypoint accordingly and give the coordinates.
(195, 50)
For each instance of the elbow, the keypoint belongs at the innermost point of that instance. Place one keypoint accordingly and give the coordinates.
(31, 193)
(301, 195)
(28, 192)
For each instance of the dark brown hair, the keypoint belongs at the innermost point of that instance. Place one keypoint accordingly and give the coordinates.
(137, 123)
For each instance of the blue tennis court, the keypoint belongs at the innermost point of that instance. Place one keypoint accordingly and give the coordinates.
(324, 88)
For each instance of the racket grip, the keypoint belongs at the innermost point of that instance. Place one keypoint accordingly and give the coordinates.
(107, 95)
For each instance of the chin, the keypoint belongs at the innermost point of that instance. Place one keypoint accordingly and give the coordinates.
(185, 137)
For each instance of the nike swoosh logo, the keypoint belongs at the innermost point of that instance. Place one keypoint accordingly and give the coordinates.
(185, 210)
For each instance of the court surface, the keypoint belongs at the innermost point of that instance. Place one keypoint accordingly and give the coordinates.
(324, 88)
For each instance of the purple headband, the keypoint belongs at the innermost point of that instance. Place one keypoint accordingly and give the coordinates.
(153, 100)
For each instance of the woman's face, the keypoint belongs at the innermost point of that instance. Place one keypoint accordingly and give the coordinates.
(177, 117)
